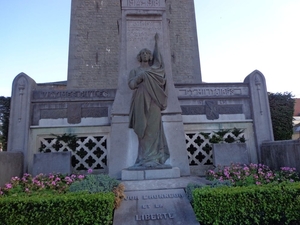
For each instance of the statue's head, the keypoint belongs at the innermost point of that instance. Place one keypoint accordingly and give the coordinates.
(145, 55)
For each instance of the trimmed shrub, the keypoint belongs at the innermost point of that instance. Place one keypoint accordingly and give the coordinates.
(282, 112)
(4, 120)
(265, 204)
(65, 209)
(100, 183)
(215, 183)
(94, 184)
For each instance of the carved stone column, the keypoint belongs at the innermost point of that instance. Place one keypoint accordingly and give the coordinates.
(20, 115)
(260, 108)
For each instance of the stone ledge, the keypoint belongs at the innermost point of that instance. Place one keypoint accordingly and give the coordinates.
(150, 174)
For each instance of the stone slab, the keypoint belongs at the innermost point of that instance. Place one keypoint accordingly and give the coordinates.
(161, 184)
(224, 154)
(11, 165)
(150, 174)
(52, 162)
(165, 173)
(277, 154)
(159, 207)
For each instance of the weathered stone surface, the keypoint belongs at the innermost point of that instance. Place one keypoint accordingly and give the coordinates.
(219, 101)
(94, 44)
(157, 184)
(72, 95)
(219, 109)
(183, 41)
(260, 109)
(226, 153)
(52, 162)
(165, 207)
(71, 104)
(94, 51)
(11, 165)
(20, 115)
(150, 174)
(278, 154)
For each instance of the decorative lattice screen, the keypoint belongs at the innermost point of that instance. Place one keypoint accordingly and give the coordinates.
(90, 153)
(199, 145)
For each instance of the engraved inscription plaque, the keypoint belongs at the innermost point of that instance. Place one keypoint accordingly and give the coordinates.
(165, 207)
(140, 35)
(143, 3)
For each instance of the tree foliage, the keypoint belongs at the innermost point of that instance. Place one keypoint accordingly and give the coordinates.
(282, 111)
(4, 120)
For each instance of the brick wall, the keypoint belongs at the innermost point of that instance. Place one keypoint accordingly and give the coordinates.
(297, 107)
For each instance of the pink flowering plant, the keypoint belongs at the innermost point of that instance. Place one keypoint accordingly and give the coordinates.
(40, 184)
(243, 175)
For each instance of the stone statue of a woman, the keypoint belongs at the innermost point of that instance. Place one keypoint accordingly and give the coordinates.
(149, 99)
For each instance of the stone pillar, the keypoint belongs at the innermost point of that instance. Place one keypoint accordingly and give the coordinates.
(138, 26)
(260, 108)
(94, 44)
(95, 32)
(20, 115)
(183, 41)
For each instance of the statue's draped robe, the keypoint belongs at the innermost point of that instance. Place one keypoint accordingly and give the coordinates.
(148, 100)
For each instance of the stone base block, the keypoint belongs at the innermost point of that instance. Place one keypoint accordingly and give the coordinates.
(52, 162)
(225, 154)
(11, 165)
(150, 174)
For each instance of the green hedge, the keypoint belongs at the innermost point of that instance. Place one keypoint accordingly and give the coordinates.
(267, 204)
(64, 209)
(282, 115)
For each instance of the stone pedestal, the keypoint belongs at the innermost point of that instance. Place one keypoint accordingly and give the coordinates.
(227, 153)
(150, 174)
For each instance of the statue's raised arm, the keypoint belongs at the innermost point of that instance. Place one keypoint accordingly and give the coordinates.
(157, 58)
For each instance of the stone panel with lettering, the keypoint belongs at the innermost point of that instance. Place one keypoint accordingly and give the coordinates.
(212, 90)
(215, 99)
(73, 95)
(140, 34)
(143, 4)
(159, 207)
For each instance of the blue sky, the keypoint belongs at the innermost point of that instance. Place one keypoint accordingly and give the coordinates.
(235, 37)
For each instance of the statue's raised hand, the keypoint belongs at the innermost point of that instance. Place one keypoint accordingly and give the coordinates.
(156, 37)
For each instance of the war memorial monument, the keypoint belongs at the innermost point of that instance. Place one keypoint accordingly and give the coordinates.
(135, 100)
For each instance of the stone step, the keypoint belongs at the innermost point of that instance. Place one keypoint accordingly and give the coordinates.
(161, 184)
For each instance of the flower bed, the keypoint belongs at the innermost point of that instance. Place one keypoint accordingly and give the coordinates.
(29, 185)
(243, 175)
(60, 199)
